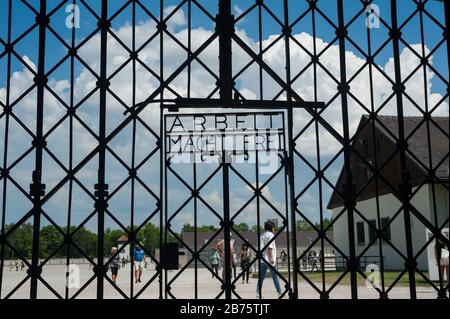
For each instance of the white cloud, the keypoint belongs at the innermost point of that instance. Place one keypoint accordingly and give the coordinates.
(178, 19)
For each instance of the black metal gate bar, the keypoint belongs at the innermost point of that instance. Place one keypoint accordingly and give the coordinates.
(349, 197)
(101, 187)
(225, 28)
(447, 37)
(3, 171)
(324, 294)
(383, 294)
(133, 144)
(37, 189)
(433, 207)
(261, 97)
(163, 293)
(405, 187)
(71, 144)
(194, 168)
(291, 202)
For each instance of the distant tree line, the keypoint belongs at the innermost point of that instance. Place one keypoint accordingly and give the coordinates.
(51, 240)
(302, 225)
(242, 227)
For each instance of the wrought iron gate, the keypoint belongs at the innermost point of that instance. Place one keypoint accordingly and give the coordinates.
(153, 60)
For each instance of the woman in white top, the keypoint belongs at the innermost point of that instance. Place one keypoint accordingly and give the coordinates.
(270, 254)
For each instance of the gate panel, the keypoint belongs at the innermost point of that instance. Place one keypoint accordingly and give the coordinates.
(197, 148)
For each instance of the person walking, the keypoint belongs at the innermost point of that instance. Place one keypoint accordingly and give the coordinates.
(442, 260)
(314, 261)
(305, 260)
(114, 264)
(269, 258)
(283, 257)
(220, 247)
(139, 256)
(10, 266)
(310, 259)
(215, 260)
(244, 254)
(234, 264)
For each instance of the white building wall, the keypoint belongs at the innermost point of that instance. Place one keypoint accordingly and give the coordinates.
(441, 204)
(389, 206)
(125, 253)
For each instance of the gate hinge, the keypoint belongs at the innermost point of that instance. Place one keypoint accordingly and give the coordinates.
(37, 188)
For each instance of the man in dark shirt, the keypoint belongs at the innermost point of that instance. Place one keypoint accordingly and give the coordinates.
(114, 264)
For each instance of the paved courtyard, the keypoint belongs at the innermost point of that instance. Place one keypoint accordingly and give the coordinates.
(183, 287)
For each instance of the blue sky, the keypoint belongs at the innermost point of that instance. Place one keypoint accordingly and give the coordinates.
(247, 28)
(23, 17)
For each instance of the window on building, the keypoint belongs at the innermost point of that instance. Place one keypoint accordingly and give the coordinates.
(372, 230)
(361, 235)
(387, 231)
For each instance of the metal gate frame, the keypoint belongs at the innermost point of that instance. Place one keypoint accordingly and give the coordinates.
(229, 96)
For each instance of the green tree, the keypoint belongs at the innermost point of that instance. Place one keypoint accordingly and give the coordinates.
(21, 239)
(241, 227)
(86, 241)
(203, 229)
(187, 228)
(49, 241)
(110, 239)
(208, 229)
(150, 237)
(326, 223)
(255, 228)
(303, 225)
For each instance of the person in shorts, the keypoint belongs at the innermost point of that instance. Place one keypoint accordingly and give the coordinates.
(139, 256)
(220, 248)
(442, 256)
(114, 265)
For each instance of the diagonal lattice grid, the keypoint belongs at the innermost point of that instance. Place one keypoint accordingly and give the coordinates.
(90, 107)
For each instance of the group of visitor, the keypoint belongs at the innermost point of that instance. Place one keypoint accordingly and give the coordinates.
(245, 256)
(138, 262)
(20, 266)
